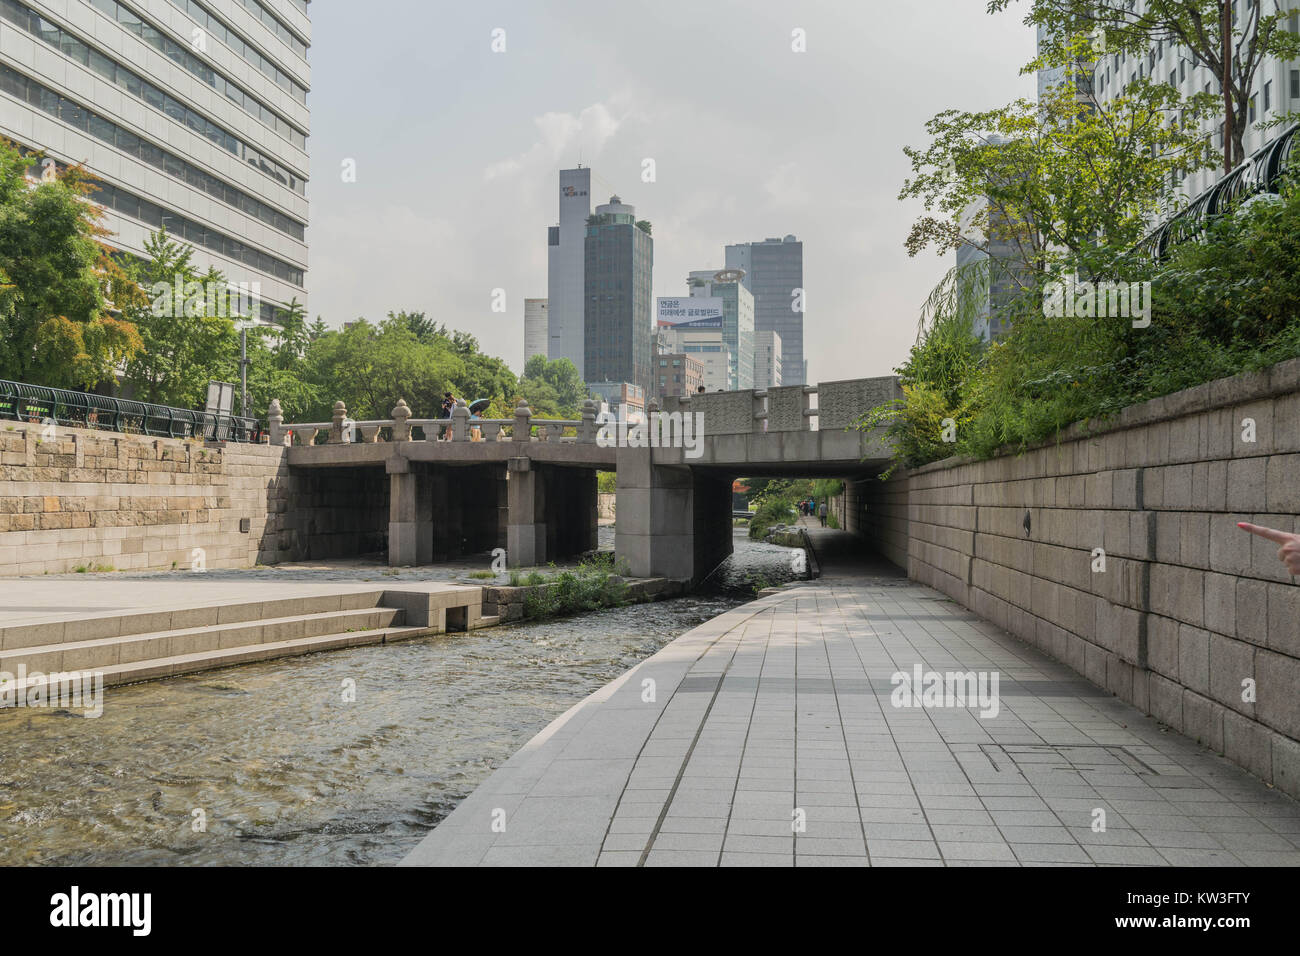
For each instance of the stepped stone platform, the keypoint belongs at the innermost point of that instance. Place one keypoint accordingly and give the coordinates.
(141, 630)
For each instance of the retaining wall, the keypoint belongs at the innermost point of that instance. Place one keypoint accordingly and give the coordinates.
(1192, 620)
(91, 499)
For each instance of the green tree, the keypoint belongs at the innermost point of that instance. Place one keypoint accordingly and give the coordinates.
(57, 322)
(184, 343)
(1123, 28)
(555, 384)
(1048, 180)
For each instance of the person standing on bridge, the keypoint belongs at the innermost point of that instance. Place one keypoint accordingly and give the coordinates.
(1289, 550)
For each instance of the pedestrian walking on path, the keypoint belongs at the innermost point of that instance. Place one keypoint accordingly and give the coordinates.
(821, 512)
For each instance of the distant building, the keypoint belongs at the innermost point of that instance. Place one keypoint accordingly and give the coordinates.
(702, 340)
(565, 284)
(737, 309)
(614, 396)
(619, 258)
(774, 276)
(1002, 275)
(677, 373)
(767, 360)
(536, 328)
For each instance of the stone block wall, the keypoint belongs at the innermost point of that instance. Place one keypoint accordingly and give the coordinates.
(337, 513)
(91, 499)
(1189, 618)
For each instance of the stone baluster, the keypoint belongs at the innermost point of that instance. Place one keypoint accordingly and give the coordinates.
(460, 421)
(275, 419)
(336, 430)
(401, 421)
(523, 417)
(587, 431)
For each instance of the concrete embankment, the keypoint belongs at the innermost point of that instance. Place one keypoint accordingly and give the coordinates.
(1115, 549)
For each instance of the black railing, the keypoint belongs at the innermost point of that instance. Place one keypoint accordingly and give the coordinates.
(39, 405)
(1261, 173)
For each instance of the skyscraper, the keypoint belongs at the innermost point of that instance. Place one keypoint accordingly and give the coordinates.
(192, 113)
(618, 264)
(774, 275)
(566, 290)
(536, 316)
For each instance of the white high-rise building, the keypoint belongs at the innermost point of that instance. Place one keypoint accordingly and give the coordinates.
(1276, 87)
(767, 360)
(565, 270)
(536, 316)
(192, 113)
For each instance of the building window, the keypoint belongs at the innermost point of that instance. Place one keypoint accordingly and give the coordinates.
(1268, 95)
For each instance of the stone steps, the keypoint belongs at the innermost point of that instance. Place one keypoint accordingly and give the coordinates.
(157, 668)
(125, 647)
(135, 648)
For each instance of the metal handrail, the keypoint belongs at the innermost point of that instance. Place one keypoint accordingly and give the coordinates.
(40, 404)
(1262, 172)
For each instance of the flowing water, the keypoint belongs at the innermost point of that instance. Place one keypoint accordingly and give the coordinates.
(268, 763)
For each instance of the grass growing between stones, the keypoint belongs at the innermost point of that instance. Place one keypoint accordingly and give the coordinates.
(598, 581)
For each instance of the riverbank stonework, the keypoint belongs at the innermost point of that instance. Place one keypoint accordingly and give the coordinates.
(87, 499)
(1115, 550)
(507, 603)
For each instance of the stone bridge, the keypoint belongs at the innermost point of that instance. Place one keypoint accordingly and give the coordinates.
(464, 486)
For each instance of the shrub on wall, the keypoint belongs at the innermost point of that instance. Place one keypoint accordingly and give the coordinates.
(1225, 303)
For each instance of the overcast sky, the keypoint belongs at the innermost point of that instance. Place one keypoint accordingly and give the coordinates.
(458, 148)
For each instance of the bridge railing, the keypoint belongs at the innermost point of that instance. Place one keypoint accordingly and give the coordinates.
(830, 406)
(461, 427)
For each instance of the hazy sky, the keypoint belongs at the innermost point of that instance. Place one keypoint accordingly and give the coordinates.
(458, 148)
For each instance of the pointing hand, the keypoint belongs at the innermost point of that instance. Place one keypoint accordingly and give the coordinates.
(1289, 550)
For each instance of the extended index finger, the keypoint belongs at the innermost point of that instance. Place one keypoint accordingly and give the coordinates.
(1277, 537)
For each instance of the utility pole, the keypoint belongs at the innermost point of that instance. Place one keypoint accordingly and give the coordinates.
(1227, 87)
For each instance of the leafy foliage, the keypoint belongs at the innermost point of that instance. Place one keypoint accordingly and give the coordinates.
(1259, 31)
(58, 280)
(1226, 303)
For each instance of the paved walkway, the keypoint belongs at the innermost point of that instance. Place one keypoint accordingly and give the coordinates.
(771, 739)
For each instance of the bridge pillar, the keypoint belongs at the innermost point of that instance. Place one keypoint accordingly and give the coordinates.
(672, 521)
(526, 527)
(403, 514)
